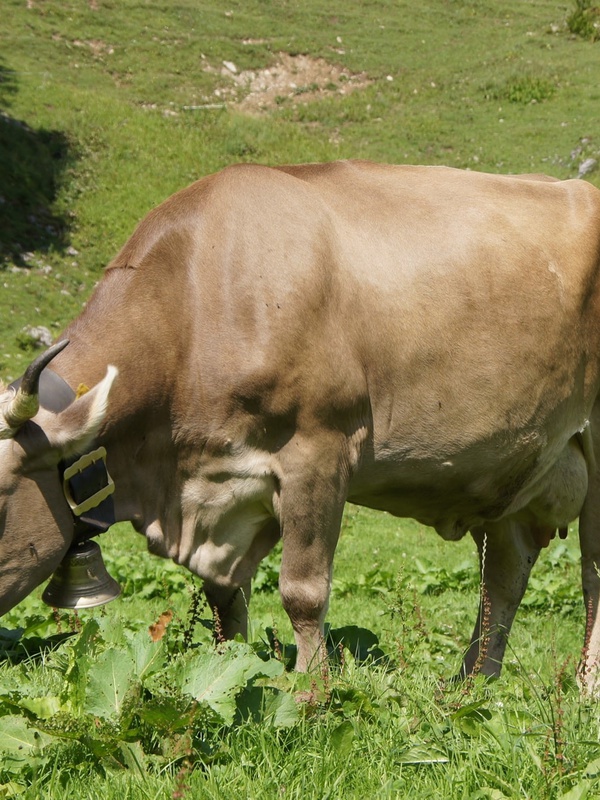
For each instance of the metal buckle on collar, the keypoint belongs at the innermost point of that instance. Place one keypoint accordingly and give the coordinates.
(87, 460)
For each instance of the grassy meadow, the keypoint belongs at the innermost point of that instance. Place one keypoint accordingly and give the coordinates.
(108, 107)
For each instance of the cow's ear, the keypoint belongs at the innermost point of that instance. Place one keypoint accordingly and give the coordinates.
(75, 428)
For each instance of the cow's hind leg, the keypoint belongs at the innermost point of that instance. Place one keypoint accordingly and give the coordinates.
(589, 540)
(507, 552)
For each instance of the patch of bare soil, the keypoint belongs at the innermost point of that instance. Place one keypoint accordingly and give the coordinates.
(298, 79)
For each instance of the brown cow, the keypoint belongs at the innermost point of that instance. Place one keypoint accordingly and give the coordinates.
(421, 340)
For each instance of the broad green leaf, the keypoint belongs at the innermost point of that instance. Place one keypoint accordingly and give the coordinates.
(133, 757)
(354, 701)
(422, 755)
(281, 710)
(80, 653)
(470, 719)
(473, 710)
(42, 707)
(579, 792)
(85, 643)
(111, 629)
(470, 726)
(148, 656)
(169, 714)
(19, 741)
(265, 705)
(176, 747)
(108, 681)
(593, 769)
(216, 678)
(11, 789)
(342, 738)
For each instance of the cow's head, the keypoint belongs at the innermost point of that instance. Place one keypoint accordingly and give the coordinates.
(36, 524)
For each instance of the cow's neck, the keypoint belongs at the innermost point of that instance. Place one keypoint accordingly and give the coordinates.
(137, 434)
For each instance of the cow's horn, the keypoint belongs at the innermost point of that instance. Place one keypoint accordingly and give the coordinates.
(25, 404)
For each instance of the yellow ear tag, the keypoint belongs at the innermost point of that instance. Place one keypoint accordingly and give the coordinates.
(81, 390)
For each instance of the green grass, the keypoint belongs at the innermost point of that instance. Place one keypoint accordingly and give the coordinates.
(107, 108)
(364, 730)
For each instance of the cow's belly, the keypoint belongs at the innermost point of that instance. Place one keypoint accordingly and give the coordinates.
(456, 496)
(558, 498)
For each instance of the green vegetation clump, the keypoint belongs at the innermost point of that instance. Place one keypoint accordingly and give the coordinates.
(522, 89)
(529, 89)
(585, 20)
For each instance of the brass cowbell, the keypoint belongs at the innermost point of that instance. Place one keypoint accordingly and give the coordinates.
(81, 580)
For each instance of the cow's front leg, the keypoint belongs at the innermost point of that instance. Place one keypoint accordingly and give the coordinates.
(507, 552)
(227, 580)
(230, 609)
(312, 504)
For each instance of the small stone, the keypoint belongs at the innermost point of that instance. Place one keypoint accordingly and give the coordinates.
(39, 334)
(587, 166)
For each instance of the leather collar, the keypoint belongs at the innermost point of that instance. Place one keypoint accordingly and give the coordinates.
(88, 490)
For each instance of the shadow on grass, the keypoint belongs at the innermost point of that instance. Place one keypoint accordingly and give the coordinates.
(32, 163)
(361, 643)
(14, 647)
